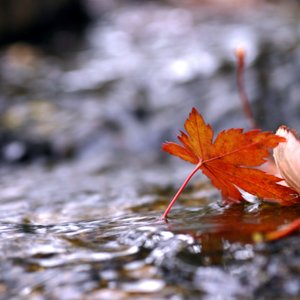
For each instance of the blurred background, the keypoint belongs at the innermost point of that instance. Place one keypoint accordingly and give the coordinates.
(89, 91)
(90, 78)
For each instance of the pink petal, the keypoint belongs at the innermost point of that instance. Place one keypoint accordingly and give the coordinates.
(287, 157)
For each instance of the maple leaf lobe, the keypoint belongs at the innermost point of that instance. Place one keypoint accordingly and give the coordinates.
(195, 145)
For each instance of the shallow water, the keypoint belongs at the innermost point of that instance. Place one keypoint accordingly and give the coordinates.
(92, 247)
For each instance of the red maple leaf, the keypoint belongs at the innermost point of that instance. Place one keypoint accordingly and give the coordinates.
(229, 161)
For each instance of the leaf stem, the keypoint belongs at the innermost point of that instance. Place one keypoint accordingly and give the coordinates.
(240, 55)
(164, 216)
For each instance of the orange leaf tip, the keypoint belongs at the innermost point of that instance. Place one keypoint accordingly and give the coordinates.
(240, 52)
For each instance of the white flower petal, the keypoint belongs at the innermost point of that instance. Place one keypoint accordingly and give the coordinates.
(287, 157)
